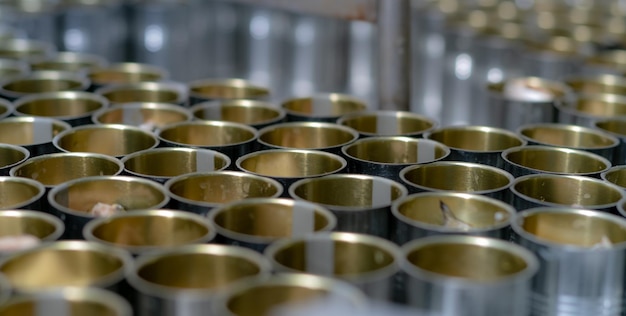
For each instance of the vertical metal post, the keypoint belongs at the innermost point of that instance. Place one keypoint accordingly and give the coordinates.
(394, 47)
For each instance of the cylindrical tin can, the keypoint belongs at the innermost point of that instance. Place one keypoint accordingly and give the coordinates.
(159, 35)
(290, 293)
(141, 232)
(125, 73)
(328, 137)
(203, 90)
(25, 49)
(581, 256)
(185, 280)
(597, 84)
(457, 176)
(80, 200)
(10, 68)
(41, 82)
(586, 109)
(97, 27)
(258, 114)
(494, 279)
(362, 203)
(146, 115)
(69, 61)
(524, 100)
(290, 165)
(445, 213)
(232, 139)
(66, 263)
(90, 300)
(526, 160)
(21, 193)
(255, 223)
(479, 144)
(605, 62)
(6, 108)
(553, 190)
(615, 175)
(388, 123)
(109, 139)
(161, 92)
(368, 262)
(617, 128)
(33, 133)
(322, 107)
(199, 192)
(162, 164)
(11, 156)
(15, 223)
(386, 156)
(570, 136)
(72, 107)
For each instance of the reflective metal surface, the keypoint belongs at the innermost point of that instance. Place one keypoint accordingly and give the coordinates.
(33, 133)
(225, 89)
(564, 191)
(25, 49)
(361, 203)
(257, 222)
(66, 263)
(41, 225)
(257, 114)
(144, 231)
(588, 108)
(475, 143)
(109, 139)
(199, 192)
(73, 107)
(494, 279)
(370, 263)
(162, 164)
(575, 248)
(41, 82)
(419, 215)
(126, 73)
(615, 175)
(307, 135)
(20, 193)
(13, 68)
(322, 107)
(11, 156)
(598, 84)
(69, 61)
(617, 128)
(162, 92)
(388, 123)
(556, 160)
(147, 115)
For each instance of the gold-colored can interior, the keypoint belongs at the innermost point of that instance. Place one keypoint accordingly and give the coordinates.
(55, 169)
(481, 139)
(150, 113)
(468, 261)
(263, 299)
(10, 156)
(567, 136)
(75, 306)
(290, 164)
(404, 123)
(350, 257)
(206, 271)
(306, 136)
(60, 106)
(108, 141)
(222, 188)
(240, 111)
(343, 191)
(160, 230)
(67, 61)
(126, 73)
(53, 267)
(396, 150)
(170, 163)
(41, 85)
(125, 94)
(82, 196)
(616, 176)
(457, 177)
(615, 126)
(233, 89)
(573, 228)
(603, 84)
(557, 160)
(605, 105)
(201, 134)
(331, 105)
(476, 212)
(14, 193)
(20, 49)
(567, 191)
(15, 223)
(534, 83)
(273, 220)
(25, 132)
